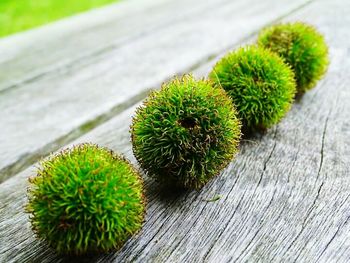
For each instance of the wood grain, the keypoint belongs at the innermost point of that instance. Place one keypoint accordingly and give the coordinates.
(285, 198)
(57, 44)
(41, 115)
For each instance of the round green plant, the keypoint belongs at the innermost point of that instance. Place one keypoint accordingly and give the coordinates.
(260, 84)
(86, 199)
(185, 133)
(302, 47)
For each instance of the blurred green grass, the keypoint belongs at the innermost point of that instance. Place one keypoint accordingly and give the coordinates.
(19, 15)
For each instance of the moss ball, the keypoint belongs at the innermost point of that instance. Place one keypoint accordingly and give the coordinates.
(259, 83)
(302, 47)
(86, 199)
(185, 133)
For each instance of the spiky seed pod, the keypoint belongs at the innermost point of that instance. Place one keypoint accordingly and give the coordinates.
(302, 47)
(86, 199)
(261, 85)
(186, 133)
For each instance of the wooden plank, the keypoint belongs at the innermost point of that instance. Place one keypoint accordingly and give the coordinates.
(285, 197)
(41, 116)
(56, 44)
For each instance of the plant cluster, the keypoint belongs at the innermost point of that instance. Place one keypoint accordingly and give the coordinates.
(302, 47)
(260, 84)
(88, 199)
(185, 133)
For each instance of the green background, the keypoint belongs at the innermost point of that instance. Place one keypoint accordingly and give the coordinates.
(19, 15)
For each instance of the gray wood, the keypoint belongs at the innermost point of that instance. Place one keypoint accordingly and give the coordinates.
(41, 115)
(285, 198)
(90, 33)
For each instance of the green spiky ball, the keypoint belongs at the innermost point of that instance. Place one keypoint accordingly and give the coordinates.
(86, 199)
(302, 47)
(186, 133)
(260, 84)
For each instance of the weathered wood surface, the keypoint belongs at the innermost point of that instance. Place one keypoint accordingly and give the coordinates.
(284, 199)
(115, 24)
(106, 72)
